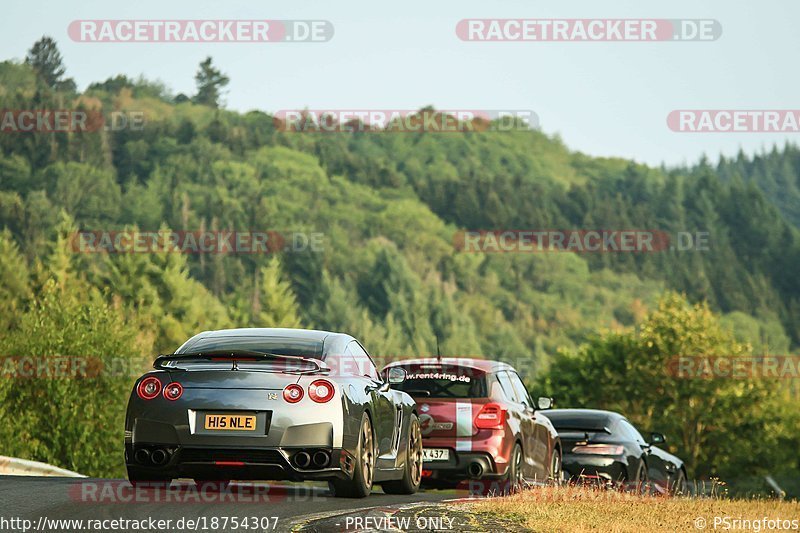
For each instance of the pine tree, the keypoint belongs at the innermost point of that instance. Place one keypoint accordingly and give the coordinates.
(278, 306)
(209, 83)
(46, 60)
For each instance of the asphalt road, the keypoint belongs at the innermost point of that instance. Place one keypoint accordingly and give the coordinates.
(269, 507)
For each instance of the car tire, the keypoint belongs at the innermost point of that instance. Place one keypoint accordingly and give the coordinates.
(412, 471)
(679, 487)
(363, 472)
(513, 479)
(641, 480)
(556, 468)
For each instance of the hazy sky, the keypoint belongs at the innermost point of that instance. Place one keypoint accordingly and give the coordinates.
(606, 99)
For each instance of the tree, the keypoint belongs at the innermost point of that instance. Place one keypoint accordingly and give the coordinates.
(45, 59)
(209, 83)
(277, 306)
(634, 373)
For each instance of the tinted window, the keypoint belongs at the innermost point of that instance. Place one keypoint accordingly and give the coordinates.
(494, 387)
(343, 364)
(424, 382)
(275, 345)
(626, 429)
(519, 388)
(508, 387)
(363, 362)
(578, 421)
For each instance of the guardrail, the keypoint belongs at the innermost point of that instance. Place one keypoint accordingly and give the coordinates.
(12, 466)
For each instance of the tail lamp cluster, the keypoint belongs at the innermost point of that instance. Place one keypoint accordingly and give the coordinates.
(599, 449)
(320, 391)
(150, 387)
(491, 416)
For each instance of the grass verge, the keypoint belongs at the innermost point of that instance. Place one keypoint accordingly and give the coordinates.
(589, 509)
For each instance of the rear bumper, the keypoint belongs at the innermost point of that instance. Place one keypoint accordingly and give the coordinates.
(210, 464)
(490, 449)
(461, 466)
(601, 469)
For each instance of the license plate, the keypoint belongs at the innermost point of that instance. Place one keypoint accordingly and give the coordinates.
(435, 454)
(230, 422)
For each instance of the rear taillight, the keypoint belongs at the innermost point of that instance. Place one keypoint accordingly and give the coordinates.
(321, 391)
(148, 388)
(599, 449)
(491, 416)
(173, 391)
(293, 393)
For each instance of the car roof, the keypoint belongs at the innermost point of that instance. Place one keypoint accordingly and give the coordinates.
(591, 414)
(484, 365)
(330, 340)
(296, 333)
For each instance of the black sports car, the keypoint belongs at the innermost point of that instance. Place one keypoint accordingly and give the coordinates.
(604, 446)
(287, 404)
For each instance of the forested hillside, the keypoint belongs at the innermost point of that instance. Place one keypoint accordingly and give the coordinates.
(388, 205)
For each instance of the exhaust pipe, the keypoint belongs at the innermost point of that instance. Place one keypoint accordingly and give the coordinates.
(475, 470)
(159, 457)
(302, 459)
(142, 456)
(321, 459)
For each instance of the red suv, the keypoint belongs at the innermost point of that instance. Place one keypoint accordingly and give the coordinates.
(478, 422)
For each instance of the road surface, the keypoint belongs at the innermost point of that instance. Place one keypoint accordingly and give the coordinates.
(268, 507)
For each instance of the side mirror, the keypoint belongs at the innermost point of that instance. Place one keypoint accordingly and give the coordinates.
(544, 403)
(396, 375)
(657, 438)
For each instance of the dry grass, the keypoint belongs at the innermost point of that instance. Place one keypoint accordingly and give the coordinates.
(588, 509)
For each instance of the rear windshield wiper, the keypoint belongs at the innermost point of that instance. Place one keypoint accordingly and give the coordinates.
(417, 392)
(162, 361)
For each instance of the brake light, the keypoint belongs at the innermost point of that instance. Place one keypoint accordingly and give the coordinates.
(173, 391)
(321, 391)
(293, 393)
(599, 449)
(491, 416)
(148, 388)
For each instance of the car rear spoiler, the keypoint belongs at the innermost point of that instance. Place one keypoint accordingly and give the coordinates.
(586, 437)
(586, 430)
(161, 362)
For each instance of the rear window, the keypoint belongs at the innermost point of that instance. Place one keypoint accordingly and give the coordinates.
(443, 382)
(292, 346)
(580, 422)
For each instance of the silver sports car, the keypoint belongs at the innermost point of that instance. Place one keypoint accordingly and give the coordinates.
(274, 404)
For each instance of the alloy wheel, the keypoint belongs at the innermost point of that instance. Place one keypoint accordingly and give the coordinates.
(415, 452)
(367, 453)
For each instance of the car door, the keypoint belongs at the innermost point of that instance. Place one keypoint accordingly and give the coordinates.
(520, 422)
(384, 413)
(669, 473)
(538, 435)
(656, 471)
